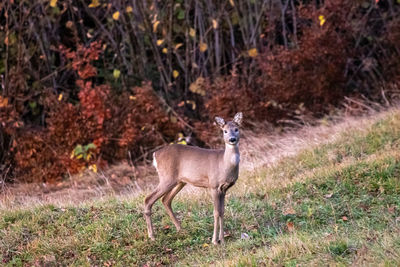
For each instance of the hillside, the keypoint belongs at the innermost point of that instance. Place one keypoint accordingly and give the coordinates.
(325, 195)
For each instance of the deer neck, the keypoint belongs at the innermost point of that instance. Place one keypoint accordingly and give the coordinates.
(231, 155)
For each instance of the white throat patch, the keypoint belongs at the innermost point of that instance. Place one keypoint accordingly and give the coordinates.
(235, 159)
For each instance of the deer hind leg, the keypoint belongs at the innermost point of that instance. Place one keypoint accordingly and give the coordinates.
(167, 200)
(221, 212)
(161, 190)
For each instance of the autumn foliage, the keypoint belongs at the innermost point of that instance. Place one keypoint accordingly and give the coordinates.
(91, 84)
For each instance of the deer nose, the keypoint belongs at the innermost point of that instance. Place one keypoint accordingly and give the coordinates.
(232, 140)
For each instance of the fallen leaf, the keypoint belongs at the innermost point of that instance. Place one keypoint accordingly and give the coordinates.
(290, 226)
(205, 245)
(175, 73)
(165, 50)
(328, 195)
(166, 227)
(344, 218)
(391, 209)
(289, 211)
(60, 97)
(93, 168)
(227, 235)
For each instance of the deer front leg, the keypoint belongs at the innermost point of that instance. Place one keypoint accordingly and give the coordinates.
(218, 199)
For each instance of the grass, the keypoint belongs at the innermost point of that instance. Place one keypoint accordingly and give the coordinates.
(334, 204)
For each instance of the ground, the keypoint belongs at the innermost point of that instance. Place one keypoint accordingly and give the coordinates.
(324, 195)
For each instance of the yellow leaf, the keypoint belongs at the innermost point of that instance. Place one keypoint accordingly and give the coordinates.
(131, 97)
(155, 25)
(94, 3)
(178, 45)
(182, 142)
(196, 86)
(192, 32)
(60, 97)
(205, 245)
(129, 9)
(79, 156)
(203, 47)
(252, 52)
(93, 167)
(321, 20)
(116, 73)
(160, 42)
(165, 50)
(175, 73)
(232, 2)
(53, 3)
(115, 16)
(215, 24)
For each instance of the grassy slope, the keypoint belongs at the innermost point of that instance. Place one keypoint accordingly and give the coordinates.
(338, 203)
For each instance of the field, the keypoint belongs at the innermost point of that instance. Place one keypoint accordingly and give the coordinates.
(335, 200)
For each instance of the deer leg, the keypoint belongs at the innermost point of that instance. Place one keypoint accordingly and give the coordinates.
(216, 200)
(148, 204)
(221, 211)
(167, 200)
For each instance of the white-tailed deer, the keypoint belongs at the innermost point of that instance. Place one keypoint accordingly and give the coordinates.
(178, 165)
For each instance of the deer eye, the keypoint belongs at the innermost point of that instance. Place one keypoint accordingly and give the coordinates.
(236, 129)
(225, 131)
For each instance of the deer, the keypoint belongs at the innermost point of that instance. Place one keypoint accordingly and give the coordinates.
(217, 170)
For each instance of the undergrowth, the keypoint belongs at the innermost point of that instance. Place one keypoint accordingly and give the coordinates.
(337, 203)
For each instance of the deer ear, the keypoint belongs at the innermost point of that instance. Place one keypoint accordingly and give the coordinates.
(238, 118)
(220, 121)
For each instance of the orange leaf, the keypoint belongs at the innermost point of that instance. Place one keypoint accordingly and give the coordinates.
(290, 226)
(289, 211)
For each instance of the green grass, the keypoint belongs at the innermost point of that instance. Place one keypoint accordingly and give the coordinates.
(337, 203)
